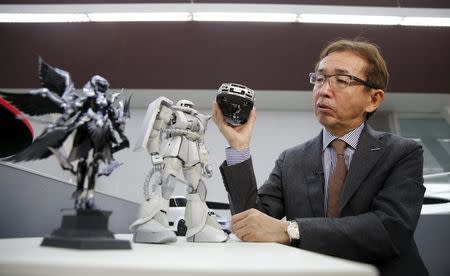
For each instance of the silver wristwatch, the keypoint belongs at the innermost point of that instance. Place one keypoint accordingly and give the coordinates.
(293, 232)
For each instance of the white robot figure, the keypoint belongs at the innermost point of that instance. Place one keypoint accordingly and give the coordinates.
(174, 137)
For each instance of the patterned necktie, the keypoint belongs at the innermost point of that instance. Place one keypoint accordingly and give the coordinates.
(336, 180)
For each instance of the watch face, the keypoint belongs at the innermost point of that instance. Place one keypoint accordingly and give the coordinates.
(293, 231)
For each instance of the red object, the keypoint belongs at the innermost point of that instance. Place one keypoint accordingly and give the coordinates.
(16, 133)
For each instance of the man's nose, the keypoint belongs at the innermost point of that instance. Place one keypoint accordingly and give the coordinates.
(324, 89)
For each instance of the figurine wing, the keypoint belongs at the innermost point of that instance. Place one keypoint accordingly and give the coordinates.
(54, 79)
(32, 104)
(39, 148)
(150, 117)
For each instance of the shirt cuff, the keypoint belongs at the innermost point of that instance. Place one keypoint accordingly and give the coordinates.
(235, 156)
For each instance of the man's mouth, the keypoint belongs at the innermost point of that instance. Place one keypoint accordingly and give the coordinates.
(324, 106)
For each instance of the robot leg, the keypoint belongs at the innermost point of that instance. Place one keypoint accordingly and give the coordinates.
(152, 225)
(202, 225)
(171, 168)
(79, 194)
(92, 177)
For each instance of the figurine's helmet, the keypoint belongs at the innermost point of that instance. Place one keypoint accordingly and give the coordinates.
(99, 83)
(236, 102)
(185, 103)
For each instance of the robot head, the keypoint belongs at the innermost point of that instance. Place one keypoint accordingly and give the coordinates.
(236, 102)
(99, 83)
(185, 103)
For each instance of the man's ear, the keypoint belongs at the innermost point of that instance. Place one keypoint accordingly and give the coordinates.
(375, 100)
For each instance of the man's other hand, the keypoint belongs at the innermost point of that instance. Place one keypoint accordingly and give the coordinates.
(255, 226)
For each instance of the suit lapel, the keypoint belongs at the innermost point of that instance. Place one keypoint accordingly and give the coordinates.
(314, 176)
(367, 154)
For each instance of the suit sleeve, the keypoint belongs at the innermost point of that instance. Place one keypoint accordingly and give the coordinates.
(383, 232)
(240, 183)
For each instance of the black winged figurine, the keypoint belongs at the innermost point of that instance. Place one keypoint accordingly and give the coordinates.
(95, 117)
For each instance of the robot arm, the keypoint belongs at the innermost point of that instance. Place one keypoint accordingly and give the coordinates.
(119, 116)
(162, 120)
(153, 111)
(159, 115)
(125, 143)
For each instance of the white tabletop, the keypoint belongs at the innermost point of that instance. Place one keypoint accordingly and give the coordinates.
(437, 191)
(25, 256)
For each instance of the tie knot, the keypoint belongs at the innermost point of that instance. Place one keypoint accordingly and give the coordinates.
(339, 146)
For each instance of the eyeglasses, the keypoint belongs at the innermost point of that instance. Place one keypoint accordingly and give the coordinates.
(337, 81)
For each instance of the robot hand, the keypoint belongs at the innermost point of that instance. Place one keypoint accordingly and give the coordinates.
(157, 161)
(109, 168)
(44, 92)
(124, 144)
(207, 171)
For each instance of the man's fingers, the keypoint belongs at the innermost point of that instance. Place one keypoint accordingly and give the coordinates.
(217, 114)
(239, 220)
(252, 116)
(244, 219)
(241, 215)
(247, 234)
(243, 231)
(219, 119)
(238, 225)
(242, 234)
(251, 120)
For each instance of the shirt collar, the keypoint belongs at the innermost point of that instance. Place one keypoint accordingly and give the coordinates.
(350, 138)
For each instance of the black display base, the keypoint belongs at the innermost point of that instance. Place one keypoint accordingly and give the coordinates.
(85, 229)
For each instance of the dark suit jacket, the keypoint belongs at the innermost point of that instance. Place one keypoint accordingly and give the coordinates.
(380, 205)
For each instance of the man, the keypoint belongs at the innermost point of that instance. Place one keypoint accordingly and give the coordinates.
(370, 214)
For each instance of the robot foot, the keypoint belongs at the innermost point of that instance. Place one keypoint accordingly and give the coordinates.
(90, 204)
(154, 231)
(209, 233)
(80, 199)
(90, 200)
(142, 236)
(152, 225)
(202, 225)
(84, 200)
